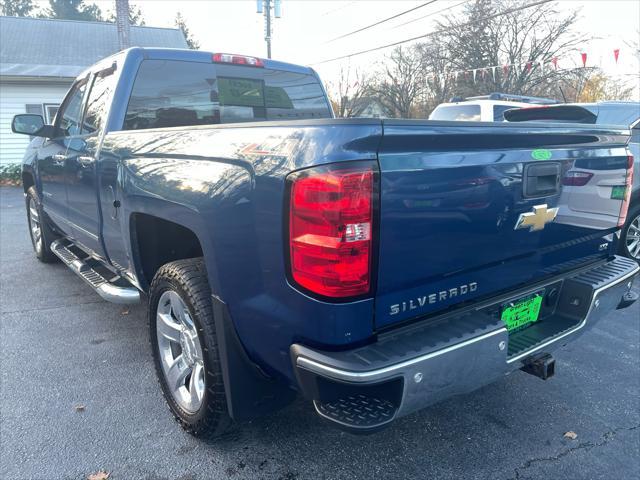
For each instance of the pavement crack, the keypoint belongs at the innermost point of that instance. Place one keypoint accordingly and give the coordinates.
(606, 438)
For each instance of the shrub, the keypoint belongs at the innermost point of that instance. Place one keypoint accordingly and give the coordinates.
(10, 174)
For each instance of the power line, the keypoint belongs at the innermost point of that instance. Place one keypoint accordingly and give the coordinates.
(430, 14)
(499, 14)
(334, 10)
(380, 21)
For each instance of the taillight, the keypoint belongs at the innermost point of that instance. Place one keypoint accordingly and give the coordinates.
(330, 229)
(577, 179)
(237, 59)
(624, 209)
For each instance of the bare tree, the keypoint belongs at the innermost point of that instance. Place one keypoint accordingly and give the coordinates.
(349, 93)
(401, 82)
(496, 33)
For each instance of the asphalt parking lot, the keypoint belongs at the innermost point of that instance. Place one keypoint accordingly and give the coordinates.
(63, 347)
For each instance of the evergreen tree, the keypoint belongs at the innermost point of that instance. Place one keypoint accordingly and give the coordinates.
(181, 24)
(73, 10)
(17, 8)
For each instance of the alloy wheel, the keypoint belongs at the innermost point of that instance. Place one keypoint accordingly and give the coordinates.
(34, 225)
(180, 352)
(633, 238)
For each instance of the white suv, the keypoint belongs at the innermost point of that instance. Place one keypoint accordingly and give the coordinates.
(488, 108)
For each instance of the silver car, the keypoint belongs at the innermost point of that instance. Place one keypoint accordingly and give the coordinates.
(605, 113)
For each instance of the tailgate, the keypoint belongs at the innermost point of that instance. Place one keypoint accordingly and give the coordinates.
(471, 210)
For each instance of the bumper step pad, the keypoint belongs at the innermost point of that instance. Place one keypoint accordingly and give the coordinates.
(358, 412)
(113, 288)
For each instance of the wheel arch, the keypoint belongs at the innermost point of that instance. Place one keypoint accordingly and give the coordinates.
(156, 240)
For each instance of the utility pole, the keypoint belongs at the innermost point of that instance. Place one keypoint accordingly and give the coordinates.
(265, 6)
(122, 23)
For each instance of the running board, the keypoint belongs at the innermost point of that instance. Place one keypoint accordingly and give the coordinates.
(92, 272)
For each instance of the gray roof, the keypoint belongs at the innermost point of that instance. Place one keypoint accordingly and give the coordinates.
(35, 47)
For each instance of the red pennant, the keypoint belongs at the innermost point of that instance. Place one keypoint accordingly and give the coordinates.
(528, 66)
(554, 60)
(616, 54)
(505, 69)
(584, 59)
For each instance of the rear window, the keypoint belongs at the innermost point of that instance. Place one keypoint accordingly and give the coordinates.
(171, 93)
(457, 112)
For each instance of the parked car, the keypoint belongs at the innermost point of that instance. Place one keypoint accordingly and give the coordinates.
(484, 108)
(589, 174)
(374, 266)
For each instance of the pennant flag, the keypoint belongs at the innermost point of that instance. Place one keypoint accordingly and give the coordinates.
(554, 60)
(493, 70)
(616, 54)
(584, 59)
(505, 69)
(528, 65)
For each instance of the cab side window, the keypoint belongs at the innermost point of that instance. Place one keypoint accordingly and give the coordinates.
(71, 112)
(98, 102)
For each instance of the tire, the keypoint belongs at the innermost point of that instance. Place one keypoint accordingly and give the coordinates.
(629, 247)
(198, 400)
(39, 230)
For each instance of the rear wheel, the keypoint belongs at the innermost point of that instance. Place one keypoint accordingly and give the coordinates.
(39, 230)
(630, 238)
(185, 348)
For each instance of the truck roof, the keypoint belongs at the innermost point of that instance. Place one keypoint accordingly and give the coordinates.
(199, 56)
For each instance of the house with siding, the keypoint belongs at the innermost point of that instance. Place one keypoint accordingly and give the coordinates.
(39, 58)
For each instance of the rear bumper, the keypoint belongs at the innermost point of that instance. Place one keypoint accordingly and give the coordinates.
(411, 368)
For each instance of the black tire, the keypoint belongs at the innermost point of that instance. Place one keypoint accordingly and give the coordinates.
(41, 245)
(188, 278)
(634, 213)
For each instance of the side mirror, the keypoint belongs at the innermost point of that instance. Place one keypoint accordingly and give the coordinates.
(27, 124)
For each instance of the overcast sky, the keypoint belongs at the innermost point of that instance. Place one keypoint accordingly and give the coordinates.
(301, 34)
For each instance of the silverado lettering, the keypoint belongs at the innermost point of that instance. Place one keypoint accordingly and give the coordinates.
(433, 298)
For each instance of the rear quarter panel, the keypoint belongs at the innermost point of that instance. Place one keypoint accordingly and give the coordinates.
(227, 186)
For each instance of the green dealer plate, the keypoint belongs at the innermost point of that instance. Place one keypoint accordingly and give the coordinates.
(521, 313)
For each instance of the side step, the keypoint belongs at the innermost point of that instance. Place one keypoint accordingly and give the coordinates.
(114, 289)
(357, 413)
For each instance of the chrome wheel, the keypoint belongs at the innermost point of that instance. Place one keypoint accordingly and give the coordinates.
(34, 225)
(633, 238)
(180, 352)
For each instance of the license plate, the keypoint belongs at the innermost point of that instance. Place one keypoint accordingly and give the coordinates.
(522, 313)
(618, 192)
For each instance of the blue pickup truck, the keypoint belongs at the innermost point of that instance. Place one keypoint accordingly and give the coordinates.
(373, 266)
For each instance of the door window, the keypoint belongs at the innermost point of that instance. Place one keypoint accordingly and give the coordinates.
(98, 102)
(71, 111)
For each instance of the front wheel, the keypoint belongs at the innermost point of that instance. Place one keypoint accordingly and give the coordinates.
(185, 348)
(630, 237)
(39, 230)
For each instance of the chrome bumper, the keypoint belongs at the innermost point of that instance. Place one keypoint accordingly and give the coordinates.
(437, 361)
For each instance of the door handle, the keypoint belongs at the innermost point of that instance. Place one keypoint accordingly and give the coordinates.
(85, 161)
(59, 158)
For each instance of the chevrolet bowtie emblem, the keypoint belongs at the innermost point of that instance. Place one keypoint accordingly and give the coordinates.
(537, 219)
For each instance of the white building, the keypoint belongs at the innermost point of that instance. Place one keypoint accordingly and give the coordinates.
(39, 58)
